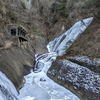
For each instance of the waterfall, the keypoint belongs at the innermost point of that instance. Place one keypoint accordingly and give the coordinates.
(44, 61)
(38, 86)
(62, 43)
(7, 89)
(59, 45)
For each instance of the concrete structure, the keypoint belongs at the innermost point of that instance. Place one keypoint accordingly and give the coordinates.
(17, 31)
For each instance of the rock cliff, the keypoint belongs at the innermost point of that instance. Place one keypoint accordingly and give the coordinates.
(16, 62)
(44, 20)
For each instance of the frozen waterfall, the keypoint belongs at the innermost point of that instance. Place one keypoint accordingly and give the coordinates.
(38, 86)
(62, 43)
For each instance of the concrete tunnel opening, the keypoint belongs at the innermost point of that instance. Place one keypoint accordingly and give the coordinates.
(13, 32)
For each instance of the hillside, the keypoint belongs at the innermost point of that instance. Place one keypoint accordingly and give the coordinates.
(48, 19)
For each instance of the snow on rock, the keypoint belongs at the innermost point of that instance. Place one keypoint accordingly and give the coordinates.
(80, 77)
(95, 61)
(62, 43)
(82, 59)
(93, 65)
(7, 89)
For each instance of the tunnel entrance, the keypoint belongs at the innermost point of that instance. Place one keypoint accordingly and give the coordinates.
(21, 39)
(13, 32)
(19, 35)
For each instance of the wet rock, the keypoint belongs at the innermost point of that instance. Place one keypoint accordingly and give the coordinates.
(42, 79)
(79, 79)
(40, 46)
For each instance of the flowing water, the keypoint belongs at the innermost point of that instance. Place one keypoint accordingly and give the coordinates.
(38, 86)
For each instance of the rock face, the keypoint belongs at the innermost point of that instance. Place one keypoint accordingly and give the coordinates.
(93, 65)
(40, 45)
(79, 79)
(15, 63)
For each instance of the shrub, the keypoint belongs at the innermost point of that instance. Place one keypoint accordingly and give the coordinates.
(59, 7)
(28, 23)
(71, 6)
(12, 16)
(46, 23)
(96, 3)
(23, 5)
(94, 6)
(54, 7)
(62, 8)
(54, 19)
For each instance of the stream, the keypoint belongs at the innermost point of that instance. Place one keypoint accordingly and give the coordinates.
(38, 86)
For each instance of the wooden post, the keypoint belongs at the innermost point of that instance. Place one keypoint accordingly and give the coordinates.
(16, 31)
(18, 42)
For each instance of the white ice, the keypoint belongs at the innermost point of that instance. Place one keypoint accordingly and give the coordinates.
(45, 89)
(63, 42)
(44, 61)
(37, 85)
(6, 87)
